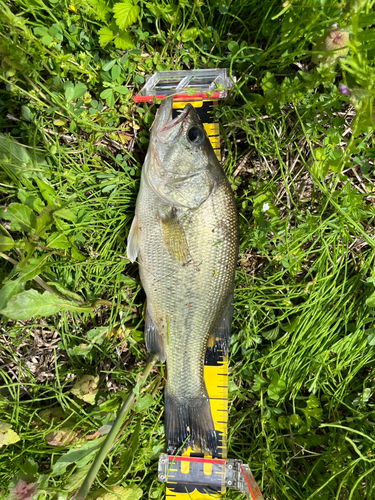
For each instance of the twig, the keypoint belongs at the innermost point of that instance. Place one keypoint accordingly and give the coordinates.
(253, 119)
(13, 118)
(242, 163)
(102, 302)
(108, 442)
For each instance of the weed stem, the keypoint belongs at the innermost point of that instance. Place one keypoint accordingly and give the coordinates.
(108, 442)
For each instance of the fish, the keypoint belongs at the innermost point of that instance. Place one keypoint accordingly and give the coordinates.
(184, 236)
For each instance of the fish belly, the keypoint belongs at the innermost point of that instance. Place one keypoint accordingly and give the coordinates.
(186, 303)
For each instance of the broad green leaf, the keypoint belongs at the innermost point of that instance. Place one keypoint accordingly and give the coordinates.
(64, 291)
(145, 402)
(232, 388)
(108, 188)
(9, 289)
(317, 413)
(271, 334)
(312, 410)
(105, 36)
(370, 302)
(283, 422)
(69, 91)
(313, 401)
(370, 336)
(124, 41)
(81, 349)
(76, 479)
(32, 201)
(115, 72)
(58, 240)
(66, 213)
(47, 191)
(32, 269)
(20, 161)
(107, 94)
(125, 13)
(139, 79)
(54, 415)
(86, 388)
(45, 219)
(31, 303)
(40, 31)
(54, 30)
(101, 8)
(79, 90)
(26, 113)
(21, 217)
(295, 420)
(80, 456)
(7, 435)
(171, 13)
(223, 8)
(155, 9)
(319, 168)
(117, 493)
(276, 386)
(109, 406)
(47, 39)
(233, 46)
(190, 34)
(29, 466)
(126, 458)
(7, 243)
(259, 382)
(109, 65)
(291, 327)
(96, 334)
(60, 122)
(76, 254)
(121, 89)
(272, 394)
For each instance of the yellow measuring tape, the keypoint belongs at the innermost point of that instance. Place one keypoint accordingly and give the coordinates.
(216, 380)
(215, 375)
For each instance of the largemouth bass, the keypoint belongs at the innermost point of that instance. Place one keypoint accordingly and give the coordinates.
(185, 236)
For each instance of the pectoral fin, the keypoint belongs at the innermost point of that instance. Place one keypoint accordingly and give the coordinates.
(133, 245)
(174, 238)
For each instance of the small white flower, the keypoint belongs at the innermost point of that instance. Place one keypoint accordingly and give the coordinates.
(265, 207)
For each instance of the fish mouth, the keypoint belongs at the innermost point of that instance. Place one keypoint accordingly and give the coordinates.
(179, 119)
(163, 121)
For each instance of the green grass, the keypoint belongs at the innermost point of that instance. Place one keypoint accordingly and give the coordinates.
(300, 157)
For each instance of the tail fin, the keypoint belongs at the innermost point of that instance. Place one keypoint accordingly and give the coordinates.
(189, 421)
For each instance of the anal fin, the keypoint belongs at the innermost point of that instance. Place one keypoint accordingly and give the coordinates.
(154, 341)
(219, 339)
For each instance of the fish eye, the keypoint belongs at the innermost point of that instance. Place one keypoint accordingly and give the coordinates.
(195, 135)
